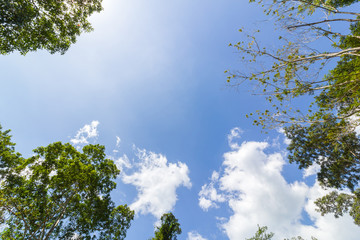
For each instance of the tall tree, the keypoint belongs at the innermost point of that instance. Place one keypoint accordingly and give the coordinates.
(169, 228)
(59, 193)
(324, 132)
(29, 25)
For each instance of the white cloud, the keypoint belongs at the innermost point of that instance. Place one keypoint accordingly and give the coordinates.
(354, 119)
(156, 181)
(312, 170)
(287, 141)
(257, 193)
(195, 236)
(327, 227)
(118, 141)
(85, 133)
(209, 196)
(234, 134)
(122, 162)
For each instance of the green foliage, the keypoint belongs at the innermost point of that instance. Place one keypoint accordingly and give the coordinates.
(59, 193)
(29, 25)
(261, 234)
(335, 202)
(324, 131)
(340, 203)
(335, 150)
(169, 228)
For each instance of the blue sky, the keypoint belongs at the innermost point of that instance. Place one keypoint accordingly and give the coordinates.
(149, 84)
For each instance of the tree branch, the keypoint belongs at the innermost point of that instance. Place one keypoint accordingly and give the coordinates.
(323, 21)
(327, 8)
(22, 215)
(63, 210)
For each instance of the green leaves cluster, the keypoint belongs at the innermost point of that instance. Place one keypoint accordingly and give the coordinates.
(30, 25)
(326, 144)
(59, 193)
(169, 228)
(340, 203)
(324, 131)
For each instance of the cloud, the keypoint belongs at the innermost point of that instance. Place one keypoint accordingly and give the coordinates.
(287, 141)
(195, 236)
(311, 170)
(156, 181)
(209, 196)
(85, 133)
(234, 134)
(327, 227)
(118, 141)
(354, 119)
(255, 190)
(122, 162)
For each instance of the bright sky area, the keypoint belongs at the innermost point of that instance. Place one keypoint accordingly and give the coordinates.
(149, 84)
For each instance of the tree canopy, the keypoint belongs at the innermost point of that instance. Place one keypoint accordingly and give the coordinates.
(53, 25)
(169, 228)
(59, 193)
(324, 132)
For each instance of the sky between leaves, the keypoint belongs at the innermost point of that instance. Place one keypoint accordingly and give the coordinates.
(149, 84)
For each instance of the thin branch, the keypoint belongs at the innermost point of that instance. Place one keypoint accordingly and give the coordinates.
(317, 57)
(323, 21)
(329, 9)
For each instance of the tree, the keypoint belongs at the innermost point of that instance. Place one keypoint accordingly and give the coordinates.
(261, 234)
(59, 193)
(29, 25)
(324, 132)
(169, 228)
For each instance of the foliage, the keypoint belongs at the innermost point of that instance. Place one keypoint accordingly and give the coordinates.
(325, 144)
(340, 203)
(261, 234)
(59, 193)
(324, 132)
(29, 25)
(169, 228)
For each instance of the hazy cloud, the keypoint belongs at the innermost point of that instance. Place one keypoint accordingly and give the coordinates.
(118, 141)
